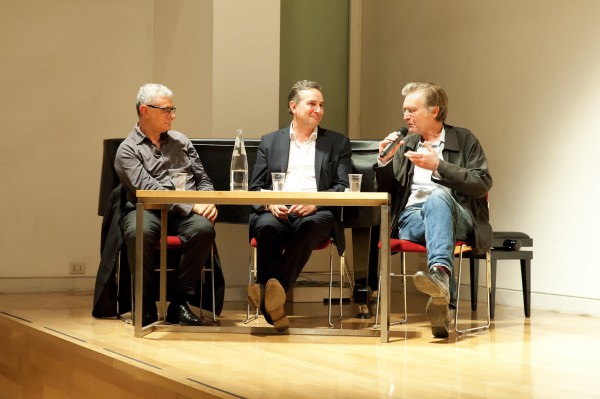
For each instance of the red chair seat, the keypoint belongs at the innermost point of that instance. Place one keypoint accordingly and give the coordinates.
(173, 242)
(397, 245)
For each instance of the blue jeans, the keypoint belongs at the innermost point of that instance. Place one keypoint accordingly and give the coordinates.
(439, 221)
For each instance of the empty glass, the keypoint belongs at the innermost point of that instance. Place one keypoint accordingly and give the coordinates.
(278, 181)
(355, 180)
(179, 180)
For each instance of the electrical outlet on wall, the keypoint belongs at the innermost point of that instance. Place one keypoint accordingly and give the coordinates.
(76, 268)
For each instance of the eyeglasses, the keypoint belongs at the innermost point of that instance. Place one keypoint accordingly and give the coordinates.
(410, 111)
(166, 110)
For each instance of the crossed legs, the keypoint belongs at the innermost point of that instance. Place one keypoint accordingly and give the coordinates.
(283, 248)
(438, 222)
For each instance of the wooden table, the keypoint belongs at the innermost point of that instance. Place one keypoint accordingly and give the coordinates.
(153, 199)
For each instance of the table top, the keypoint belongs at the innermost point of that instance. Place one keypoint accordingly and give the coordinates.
(263, 197)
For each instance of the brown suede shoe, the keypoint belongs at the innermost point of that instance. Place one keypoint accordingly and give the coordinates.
(254, 295)
(274, 305)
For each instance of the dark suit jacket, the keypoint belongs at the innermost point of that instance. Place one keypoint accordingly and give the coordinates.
(332, 164)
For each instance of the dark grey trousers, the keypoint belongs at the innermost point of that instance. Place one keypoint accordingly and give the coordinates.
(197, 235)
(284, 247)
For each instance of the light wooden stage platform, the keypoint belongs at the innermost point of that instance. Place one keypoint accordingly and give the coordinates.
(51, 347)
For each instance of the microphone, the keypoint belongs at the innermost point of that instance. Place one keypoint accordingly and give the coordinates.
(401, 133)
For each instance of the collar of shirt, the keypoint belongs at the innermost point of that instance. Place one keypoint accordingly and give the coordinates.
(141, 136)
(438, 146)
(313, 135)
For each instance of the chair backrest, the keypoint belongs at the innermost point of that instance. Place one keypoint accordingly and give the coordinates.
(213, 153)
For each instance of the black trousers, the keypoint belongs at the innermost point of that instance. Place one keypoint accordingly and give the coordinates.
(197, 235)
(284, 247)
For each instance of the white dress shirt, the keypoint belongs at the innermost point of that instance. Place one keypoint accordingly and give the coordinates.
(300, 175)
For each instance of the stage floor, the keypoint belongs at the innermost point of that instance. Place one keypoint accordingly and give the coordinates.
(53, 348)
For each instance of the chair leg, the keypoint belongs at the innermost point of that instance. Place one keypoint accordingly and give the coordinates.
(342, 271)
(404, 293)
(342, 274)
(494, 264)
(474, 264)
(404, 289)
(526, 282)
(118, 278)
(329, 303)
(488, 268)
(376, 325)
(211, 270)
(162, 293)
(252, 273)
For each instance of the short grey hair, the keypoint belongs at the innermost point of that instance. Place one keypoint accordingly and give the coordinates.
(149, 93)
(298, 87)
(434, 95)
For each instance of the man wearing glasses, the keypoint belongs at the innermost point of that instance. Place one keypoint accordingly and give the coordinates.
(147, 160)
(438, 178)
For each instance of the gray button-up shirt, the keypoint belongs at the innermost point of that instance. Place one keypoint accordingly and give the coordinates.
(142, 166)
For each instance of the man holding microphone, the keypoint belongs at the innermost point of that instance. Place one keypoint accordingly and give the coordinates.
(438, 178)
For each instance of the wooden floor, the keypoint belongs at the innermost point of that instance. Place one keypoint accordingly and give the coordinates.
(51, 347)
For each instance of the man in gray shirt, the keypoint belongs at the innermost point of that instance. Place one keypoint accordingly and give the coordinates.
(147, 160)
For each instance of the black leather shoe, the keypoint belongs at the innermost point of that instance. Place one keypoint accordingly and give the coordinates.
(149, 313)
(436, 284)
(180, 313)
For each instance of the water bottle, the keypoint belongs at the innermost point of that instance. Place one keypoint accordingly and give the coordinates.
(239, 165)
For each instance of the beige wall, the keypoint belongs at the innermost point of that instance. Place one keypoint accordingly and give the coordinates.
(524, 76)
(245, 67)
(71, 70)
(182, 39)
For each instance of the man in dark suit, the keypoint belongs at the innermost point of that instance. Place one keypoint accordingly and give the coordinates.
(314, 159)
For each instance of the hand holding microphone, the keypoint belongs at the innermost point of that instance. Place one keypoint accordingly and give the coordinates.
(399, 136)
